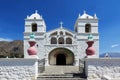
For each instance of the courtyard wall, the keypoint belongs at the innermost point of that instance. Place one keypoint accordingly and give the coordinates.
(102, 69)
(18, 69)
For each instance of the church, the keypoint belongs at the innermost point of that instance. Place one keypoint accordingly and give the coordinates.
(62, 46)
(61, 54)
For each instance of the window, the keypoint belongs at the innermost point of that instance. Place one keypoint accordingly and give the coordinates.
(53, 41)
(61, 33)
(88, 28)
(68, 41)
(61, 40)
(34, 27)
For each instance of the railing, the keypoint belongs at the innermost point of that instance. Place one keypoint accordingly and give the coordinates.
(81, 65)
(41, 65)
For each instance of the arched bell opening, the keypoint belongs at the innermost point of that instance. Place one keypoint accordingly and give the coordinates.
(88, 28)
(34, 27)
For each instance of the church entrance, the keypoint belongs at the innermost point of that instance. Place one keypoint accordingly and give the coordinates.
(61, 56)
(61, 59)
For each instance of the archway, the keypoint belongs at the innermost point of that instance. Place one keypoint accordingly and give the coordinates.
(61, 56)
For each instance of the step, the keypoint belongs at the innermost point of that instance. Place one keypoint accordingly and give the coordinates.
(71, 76)
(61, 79)
(44, 75)
(61, 69)
(61, 73)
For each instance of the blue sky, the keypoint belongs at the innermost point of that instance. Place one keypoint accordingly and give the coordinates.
(13, 13)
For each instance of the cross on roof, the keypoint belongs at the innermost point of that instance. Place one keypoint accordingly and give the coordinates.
(84, 12)
(61, 24)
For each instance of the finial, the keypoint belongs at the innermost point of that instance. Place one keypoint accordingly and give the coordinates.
(36, 11)
(27, 16)
(79, 15)
(84, 12)
(90, 37)
(95, 16)
(61, 24)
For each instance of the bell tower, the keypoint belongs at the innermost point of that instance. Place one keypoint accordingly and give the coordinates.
(34, 24)
(86, 25)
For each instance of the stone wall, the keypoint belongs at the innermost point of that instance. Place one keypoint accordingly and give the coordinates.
(102, 69)
(18, 69)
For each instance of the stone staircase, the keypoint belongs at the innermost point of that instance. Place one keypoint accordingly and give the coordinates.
(61, 73)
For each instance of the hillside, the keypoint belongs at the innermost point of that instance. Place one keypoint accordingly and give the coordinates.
(11, 49)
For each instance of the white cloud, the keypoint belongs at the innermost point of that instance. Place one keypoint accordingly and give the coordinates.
(114, 45)
(5, 39)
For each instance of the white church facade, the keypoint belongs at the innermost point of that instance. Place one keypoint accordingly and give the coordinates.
(62, 46)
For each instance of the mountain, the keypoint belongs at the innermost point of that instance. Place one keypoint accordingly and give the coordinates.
(11, 49)
(111, 54)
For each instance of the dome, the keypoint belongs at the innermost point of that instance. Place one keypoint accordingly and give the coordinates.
(85, 15)
(35, 16)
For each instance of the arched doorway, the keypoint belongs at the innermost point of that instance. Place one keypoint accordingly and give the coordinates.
(60, 59)
(61, 56)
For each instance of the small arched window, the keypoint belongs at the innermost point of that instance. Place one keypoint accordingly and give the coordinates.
(61, 40)
(61, 33)
(53, 40)
(88, 28)
(68, 41)
(34, 27)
